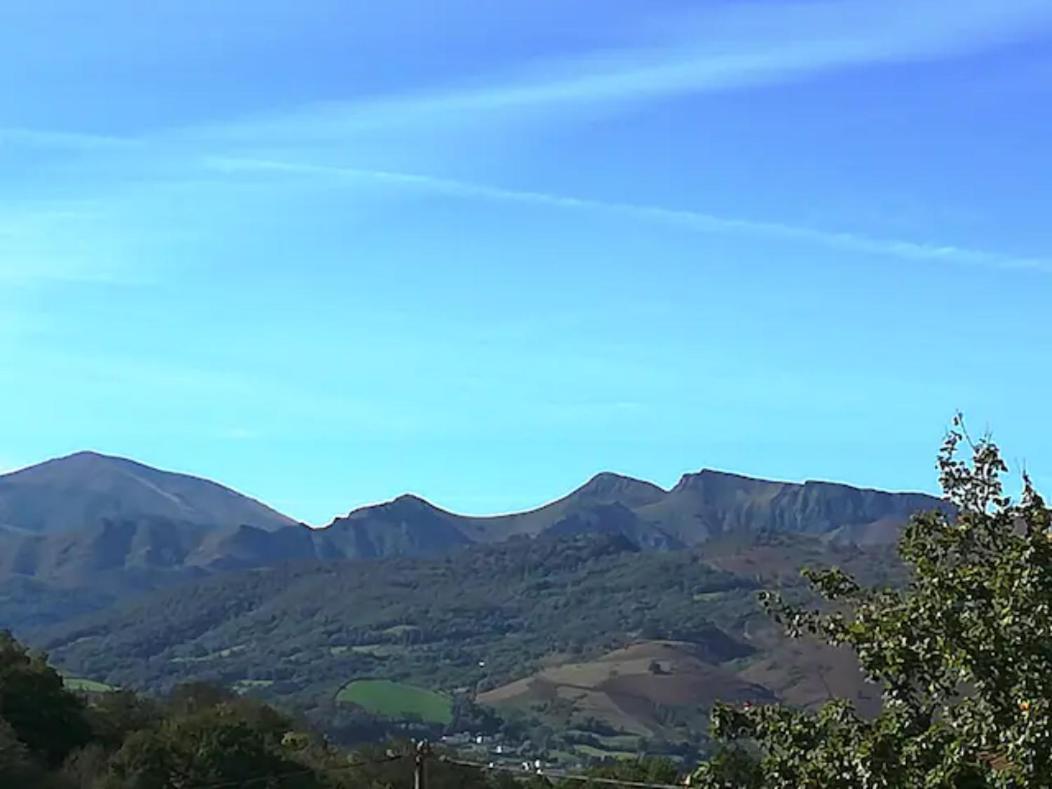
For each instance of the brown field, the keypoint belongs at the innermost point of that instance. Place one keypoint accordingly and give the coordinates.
(804, 673)
(621, 689)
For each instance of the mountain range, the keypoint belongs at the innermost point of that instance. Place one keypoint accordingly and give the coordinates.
(621, 610)
(110, 525)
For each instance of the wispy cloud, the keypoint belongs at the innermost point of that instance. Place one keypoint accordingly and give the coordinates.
(721, 46)
(724, 47)
(906, 250)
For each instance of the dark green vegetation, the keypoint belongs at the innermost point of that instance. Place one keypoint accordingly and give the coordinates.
(961, 651)
(299, 633)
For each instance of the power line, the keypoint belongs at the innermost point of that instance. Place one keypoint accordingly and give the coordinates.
(561, 775)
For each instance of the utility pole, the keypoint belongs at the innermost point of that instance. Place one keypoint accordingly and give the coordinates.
(423, 751)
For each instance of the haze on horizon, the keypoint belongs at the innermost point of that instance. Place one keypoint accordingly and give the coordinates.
(482, 251)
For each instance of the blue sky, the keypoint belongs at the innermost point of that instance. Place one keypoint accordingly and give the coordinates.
(330, 251)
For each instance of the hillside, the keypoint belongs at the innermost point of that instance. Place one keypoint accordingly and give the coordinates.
(537, 612)
(649, 689)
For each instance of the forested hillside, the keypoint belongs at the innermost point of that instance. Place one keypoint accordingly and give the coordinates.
(459, 625)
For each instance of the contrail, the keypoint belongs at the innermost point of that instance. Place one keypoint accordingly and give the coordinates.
(907, 250)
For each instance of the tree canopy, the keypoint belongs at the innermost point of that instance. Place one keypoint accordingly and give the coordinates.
(962, 653)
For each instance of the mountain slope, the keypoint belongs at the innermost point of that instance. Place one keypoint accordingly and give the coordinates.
(629, 688)
(589, 628)
(314, 626)
(406, 526)
(87, 488)
(713, 504)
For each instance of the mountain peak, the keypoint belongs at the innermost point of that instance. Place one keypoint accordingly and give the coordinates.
(610, 488)
(83, 454)
(611, 478)
(710, 478)
(88, 487)
(91, 453)
(407, 504)
(412, 500)
(80, 458)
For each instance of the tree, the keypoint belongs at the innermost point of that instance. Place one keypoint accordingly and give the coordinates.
(16, 766)
(84, 768)
(117, 714)
(213, 745)
(190, 697)
(963, 654)
(643, 770)
(44, 716)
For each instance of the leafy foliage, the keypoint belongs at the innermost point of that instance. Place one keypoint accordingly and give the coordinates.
(643, 770)
(47, 720)
(198, 736)
(962, 652)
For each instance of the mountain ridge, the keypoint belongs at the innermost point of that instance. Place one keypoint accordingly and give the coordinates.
(89, 520)
(603, 486)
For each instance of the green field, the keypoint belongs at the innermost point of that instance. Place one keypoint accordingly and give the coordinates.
(395, 700)
(222, 653)
(599, 753)
(374, 650)
(86, 685)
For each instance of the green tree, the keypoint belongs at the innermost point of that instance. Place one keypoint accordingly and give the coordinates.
(190, 697)
(215, 744)
(963, 654)
(644, 770)
(85, 767)
(16, 766)
(117, 714)
(44, 716)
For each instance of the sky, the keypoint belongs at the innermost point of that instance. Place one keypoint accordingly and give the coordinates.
(331, 251)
